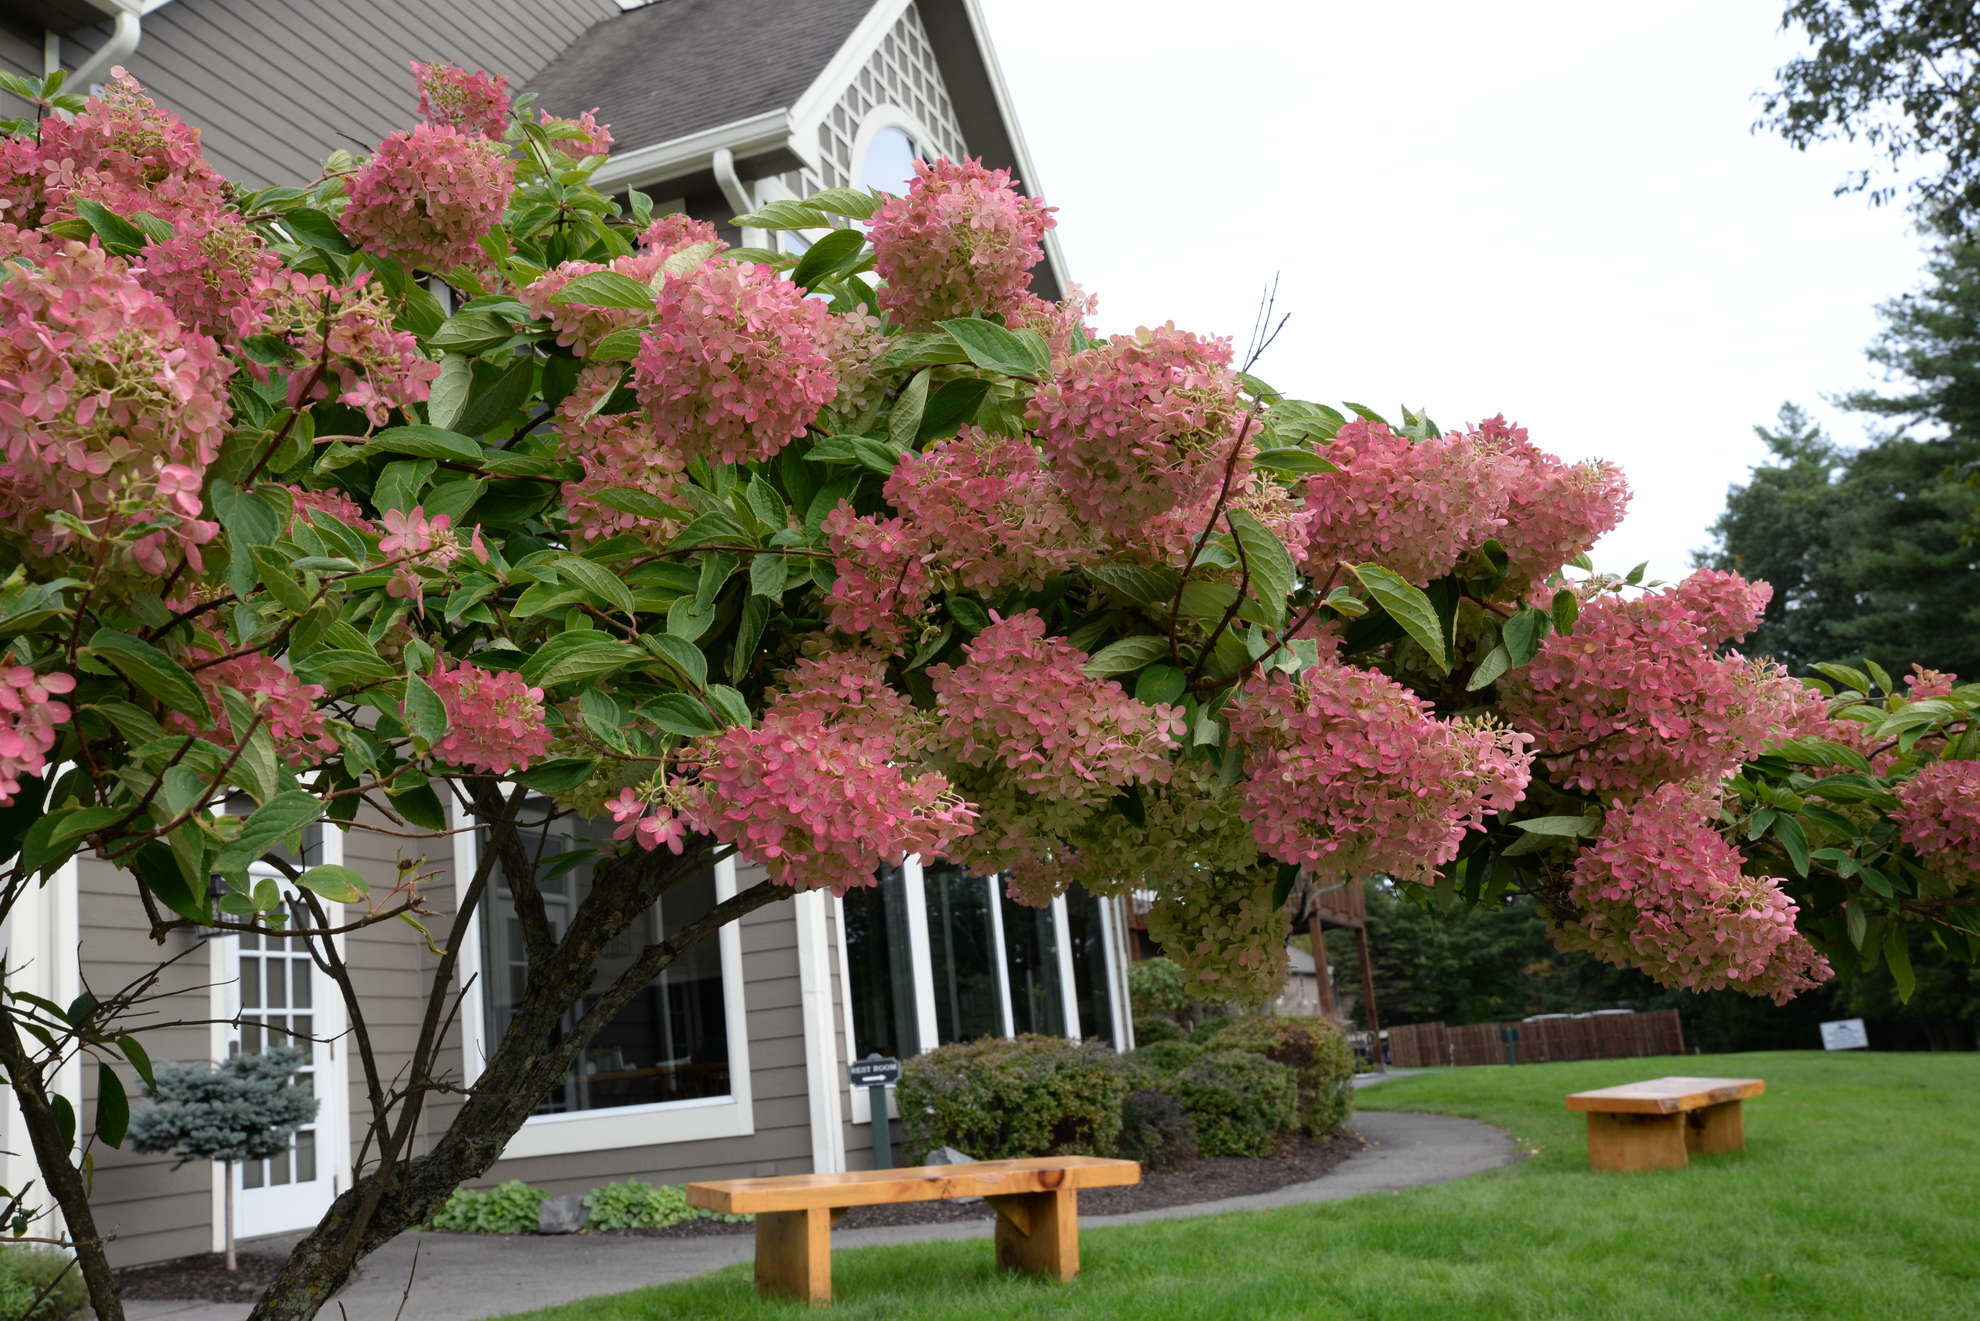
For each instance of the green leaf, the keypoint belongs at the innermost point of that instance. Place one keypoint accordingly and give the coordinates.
(678, 713)
(426, 442)
(157, 867)
(340, 885)
(139, 1057)
(639, 503)
(118, 234)
(569, 657)
(729, 704)
(558, 776)
(1496, 662)
(1407, 605)
(596, 579)
(969, 613)
(683, 655)
(157, 674)
(422, 807)
(496, 396)
(1560, 825)
(1899, 957)
(619, 346)
(783, 214)
(1794, 840)
(996, 349)
(1567, 609)
(282, 585)
(1127, 654)
(838, 249)
(312, 228)
(1523, 634)
(425, 712)
(472, 332)
(1160, 685)
(275, 820)
(1150, 587)
(1878, 673)
(852, 203)
(605, 289)
(952, 407)
(113, 1108)
(1270, 566)
(65, 1119)
(905, 423)
(1299, 462)
(1843, 674)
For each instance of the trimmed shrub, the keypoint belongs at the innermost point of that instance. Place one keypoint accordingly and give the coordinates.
(1156, 1130)
(508, 1208)
(1148, 1031)
(1000, 1100)
(1210, 1027)
(1317, 1053)
(1150, 1066)
(26, 1272)
(1155, 986)
(637, 1205)
(1242, 1103)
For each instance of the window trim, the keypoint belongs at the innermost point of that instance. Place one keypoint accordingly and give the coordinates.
(881, 117)
(697, 1118)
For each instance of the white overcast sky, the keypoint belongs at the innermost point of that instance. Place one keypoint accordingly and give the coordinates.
(1554, 210)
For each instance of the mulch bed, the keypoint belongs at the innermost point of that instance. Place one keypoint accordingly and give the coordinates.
(1212, 1179)
(1209, 1180)
(202, 1276)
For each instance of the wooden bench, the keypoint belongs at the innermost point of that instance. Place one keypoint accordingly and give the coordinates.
(1656, 1125)
(1037, 1205)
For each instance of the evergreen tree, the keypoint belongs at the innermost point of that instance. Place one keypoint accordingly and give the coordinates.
(247, 1108)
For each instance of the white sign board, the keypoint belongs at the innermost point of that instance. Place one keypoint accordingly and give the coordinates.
(1845, 1034)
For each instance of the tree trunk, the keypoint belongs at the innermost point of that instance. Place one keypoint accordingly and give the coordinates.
(228, 1170)
(63, 1181)
(520, 1072)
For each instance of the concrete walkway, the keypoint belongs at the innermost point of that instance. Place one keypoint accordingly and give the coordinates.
(467, 1277)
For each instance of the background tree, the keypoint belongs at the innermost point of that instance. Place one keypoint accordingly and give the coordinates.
(248, 1107)
(1898, 74)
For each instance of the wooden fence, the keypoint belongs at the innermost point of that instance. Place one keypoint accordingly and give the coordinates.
(1541, 1040)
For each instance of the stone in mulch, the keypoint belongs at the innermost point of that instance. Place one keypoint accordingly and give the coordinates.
(204, 1276)
(1211, 1179)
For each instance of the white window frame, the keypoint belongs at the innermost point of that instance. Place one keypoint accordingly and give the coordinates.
(880, 118)
(658, 1123)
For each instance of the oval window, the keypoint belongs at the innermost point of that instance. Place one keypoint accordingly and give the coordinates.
(889, 162)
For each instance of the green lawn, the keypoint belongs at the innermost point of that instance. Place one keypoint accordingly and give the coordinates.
(1858, 1196)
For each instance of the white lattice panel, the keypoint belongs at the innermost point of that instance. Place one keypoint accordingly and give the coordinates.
(901, 72)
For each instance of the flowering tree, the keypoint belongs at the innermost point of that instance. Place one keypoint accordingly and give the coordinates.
(816, 559)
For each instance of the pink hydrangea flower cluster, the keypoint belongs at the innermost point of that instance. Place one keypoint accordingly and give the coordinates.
(883, 574)
(334, 503)
(122, 151)
(1922, 683)
(734, 366)
(213, 274)
(350, 329)
(451, 97)
(991, 515)
(287, 705)
(1635, 698)
(581, 325)
(1415, 507)
(1554, 511)
(1350, 774)
(670, 233)
(1055, 322)
(1140, 425)
(1226, 934)
(1022, 703)
(819, 792)
(109, 409)
(428, 197)
(29, 717)
(1663, 892)
(619, 450)
(494, 720)
(963, 241)
(597, 139)
(648, 823)
(1940, 816)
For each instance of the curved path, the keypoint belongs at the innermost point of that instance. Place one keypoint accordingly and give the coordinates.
(464, 1277)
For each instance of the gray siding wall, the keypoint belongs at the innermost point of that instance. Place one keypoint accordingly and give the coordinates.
(277, 85)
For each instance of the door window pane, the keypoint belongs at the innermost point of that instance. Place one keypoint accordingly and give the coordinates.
(1086, 921)
(882, 990)
(670, 1042)
(961, 954)
(1032, 962)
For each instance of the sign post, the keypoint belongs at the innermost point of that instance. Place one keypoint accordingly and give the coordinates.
(1510, 1035)
(1845, 1034)
(876, 1074)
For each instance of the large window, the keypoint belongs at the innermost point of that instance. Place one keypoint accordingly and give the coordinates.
(933, 939)
(889, 162)
(670, 1042)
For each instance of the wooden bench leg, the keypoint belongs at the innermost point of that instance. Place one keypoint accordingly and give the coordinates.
(1038, 1233)
(1716, 1129)
(1622, 1143)
(794, 1254)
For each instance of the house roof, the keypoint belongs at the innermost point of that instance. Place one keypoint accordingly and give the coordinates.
(676, 68)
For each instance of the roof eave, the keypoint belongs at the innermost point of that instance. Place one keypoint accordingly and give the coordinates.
(763, 141)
